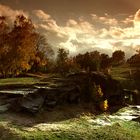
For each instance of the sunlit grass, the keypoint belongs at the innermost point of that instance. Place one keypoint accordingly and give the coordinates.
(74, 129)
(17, 81)
(122, 74)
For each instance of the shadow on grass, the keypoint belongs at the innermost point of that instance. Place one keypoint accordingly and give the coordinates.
(51, 115)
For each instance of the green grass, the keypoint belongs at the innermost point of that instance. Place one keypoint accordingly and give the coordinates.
(122, 74)
(73, 129)
(17, 81)
(30, 79)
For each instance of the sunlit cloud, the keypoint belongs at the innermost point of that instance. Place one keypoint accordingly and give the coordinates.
(107, 20)
(11, 13)
(103, 33)
(128, 20)
(42, 15)
(79, 35)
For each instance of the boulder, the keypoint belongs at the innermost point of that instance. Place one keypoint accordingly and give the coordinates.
(73, 89)
(4, 108)
(88, 81)
(32, 104)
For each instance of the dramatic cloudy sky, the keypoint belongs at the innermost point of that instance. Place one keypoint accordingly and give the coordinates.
(82, 25)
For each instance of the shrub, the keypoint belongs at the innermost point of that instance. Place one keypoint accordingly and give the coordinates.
(104, 105)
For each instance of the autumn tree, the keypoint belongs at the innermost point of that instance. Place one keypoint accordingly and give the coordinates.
(118, 57)
(20, 46)
(4, 44)
(23, 45)
(43, 53)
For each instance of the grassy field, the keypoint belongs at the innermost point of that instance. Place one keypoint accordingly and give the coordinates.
(72, 129)
(122, 74)
(30, 79)
(77, 128)
(17, 81)
(84, 126)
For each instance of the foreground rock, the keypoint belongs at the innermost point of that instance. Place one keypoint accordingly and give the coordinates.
(32, 103)
(74, 89)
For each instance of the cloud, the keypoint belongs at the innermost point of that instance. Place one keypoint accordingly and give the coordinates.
(137, 16)
(10, 13)
(103, 33)
(71, 22)
(42, 15)
(137, 20)
(128, 46)
(63, 36)
(117, 32)
(128, 20)
(106, 20)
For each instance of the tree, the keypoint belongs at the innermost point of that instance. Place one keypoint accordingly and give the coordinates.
(62, 59)
(105, 61)
(23, 45)
(18, 45)
(4, 44)
(95, 60)
(118, 57)
(79, 60)
(89, 61)
(134, 60)
(43, 53)
(43, 46)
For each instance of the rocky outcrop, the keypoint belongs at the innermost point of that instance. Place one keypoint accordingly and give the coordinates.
(112, 90)
(132, 96)
(73, 89)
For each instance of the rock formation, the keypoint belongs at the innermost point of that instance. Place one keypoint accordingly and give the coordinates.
(73, 89)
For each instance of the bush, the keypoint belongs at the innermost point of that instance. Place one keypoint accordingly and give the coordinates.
(104, 105)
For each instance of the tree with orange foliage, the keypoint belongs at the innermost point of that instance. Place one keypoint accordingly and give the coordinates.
(43, 53)
(20, 47)
(4, 45)
(23, 43)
